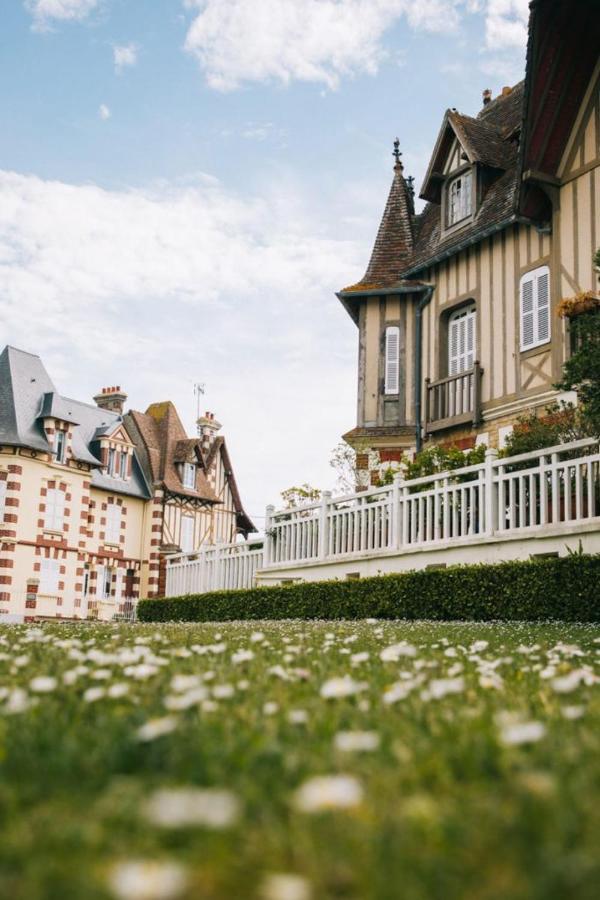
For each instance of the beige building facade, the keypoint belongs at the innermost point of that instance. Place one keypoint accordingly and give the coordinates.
(457, 312)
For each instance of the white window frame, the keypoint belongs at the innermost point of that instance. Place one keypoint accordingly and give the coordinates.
(186, 535)
(189, 475)
(49, 576)
(392, 360)
(2, 499)
(60, 446)
(460, 209)
(462, 322)
(114, 518)
(123, 465)
(532, 310)
(110, 465)
(104, 576)
(54, 518)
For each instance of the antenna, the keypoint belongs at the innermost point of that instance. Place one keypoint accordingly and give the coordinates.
(199, 388)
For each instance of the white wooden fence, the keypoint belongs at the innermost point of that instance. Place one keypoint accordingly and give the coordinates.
(554, 488)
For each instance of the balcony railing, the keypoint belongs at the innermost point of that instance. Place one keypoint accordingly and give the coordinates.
(455, 400)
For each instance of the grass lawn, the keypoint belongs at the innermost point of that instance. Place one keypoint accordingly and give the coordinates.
(300, 761)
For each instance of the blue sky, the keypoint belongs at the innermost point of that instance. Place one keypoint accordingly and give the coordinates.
(185, 183)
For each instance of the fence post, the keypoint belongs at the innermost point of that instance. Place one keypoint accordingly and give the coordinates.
(268, 541)
(491, 497)
(323, 523)
(396, 536)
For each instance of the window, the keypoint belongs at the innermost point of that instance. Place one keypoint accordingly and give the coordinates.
(49, 574)
(392, 359)
(461, 341)
(113, 523)
(110, 468)
(60, 446)
(2, 499)
(123, 466)
(104, 576)
(55, 510)
(86, 581)
(535, 308)
(189, 475)
(459, 198)
(187, 534)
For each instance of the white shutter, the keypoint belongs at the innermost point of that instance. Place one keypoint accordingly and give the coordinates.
(543, 305)
(453, 346)
(55, 510)
(461, 341)
(49, 573)
(469, 340)
(2, 499)
(187, 534)
(113, 523)
(535, 308)
(392, 359)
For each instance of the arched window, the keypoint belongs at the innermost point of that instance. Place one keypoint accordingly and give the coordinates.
(461, 340)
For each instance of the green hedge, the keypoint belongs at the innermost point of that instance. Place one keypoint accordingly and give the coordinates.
(566, 588)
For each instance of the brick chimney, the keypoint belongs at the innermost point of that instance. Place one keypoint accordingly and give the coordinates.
(207, 429)
(487, 97)
(111, 398)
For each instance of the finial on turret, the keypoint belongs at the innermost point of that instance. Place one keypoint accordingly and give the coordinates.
(410, 185)
(397, 154)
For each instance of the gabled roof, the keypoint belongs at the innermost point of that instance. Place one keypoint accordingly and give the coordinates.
(27, 396)
(162, 433)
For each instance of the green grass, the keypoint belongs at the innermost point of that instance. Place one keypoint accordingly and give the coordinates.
(449, 808)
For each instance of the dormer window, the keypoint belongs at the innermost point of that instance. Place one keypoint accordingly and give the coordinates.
(60, 446)
(460, 198)
(189, 475)
(110, 468)
(123, 466)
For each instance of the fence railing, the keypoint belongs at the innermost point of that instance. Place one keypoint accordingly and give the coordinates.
(453, 400)
(509, 497)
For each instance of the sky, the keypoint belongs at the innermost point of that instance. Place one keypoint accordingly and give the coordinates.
(185, 184)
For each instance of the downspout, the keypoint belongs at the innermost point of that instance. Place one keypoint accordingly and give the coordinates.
(422, 303)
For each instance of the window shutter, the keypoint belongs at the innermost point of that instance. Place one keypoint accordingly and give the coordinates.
(453, 346)
(55, 510)
(527, 312)
(187, 534)
(469, 340)
(543, 305)
(113, 523)
(49, 572)
(392, 359)
(461, 341)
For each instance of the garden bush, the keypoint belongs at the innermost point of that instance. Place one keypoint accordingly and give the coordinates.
(565, 588)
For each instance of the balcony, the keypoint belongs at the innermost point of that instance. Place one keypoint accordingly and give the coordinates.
(455, 400)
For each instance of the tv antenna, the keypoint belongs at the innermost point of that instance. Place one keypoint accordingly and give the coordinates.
(199, 390)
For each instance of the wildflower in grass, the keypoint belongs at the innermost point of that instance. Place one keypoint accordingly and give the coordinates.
(567, 683)
(440, 687)
(297, 717)
(285, 887)
(43, 684)
(342, 687)
(270, 708)
(209, 706)
(572, 712)
(182, 683)
(141, 672)
(279, 672)
(243, 684)
(515, 733)
(399, 691)
(118, 690)
(191, 806)
(242, 656)
(491, 680)
(155, 728)
(146, 879)
(186, 701)
(18, 701)
(326, 792)
(101, 674)
(478, 646)
(394, 652)
(357, 658)
(356, 741)
(94, 693)
(256, 637)
(223, 691)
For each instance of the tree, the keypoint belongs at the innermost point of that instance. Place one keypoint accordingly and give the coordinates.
(297, 495)
(343, 461)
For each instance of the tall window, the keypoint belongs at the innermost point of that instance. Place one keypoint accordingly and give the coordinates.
(461, 341)
(460, 198)
(104, 576)
(55, 510)
(123, 465)
(110, 468)
(2, 499)
(113, 523)
(392, 359)
(189, 475)
(535, 308)
(49, 575)
(60, 446)
(187, 534)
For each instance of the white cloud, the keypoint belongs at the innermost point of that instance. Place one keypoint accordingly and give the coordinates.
(306, 40)
(104, 112)
(44, 12)
(156, 289)
(506, 23)
(124, 56)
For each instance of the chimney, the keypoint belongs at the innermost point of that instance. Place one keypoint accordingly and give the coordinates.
(111, 398)
(506, 90)
(207, 429)
(487, 97)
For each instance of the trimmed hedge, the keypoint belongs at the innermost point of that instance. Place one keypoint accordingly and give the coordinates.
(565, 588)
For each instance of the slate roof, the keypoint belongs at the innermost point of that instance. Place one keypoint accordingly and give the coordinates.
(27, 394)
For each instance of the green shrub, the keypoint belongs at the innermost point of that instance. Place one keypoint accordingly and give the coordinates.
(565, 588)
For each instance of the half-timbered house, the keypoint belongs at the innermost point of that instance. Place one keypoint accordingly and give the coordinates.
(456, 313)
